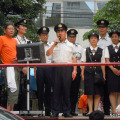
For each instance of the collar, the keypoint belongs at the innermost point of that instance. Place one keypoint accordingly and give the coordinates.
(116, 45)
(103, 38)
(76, 44)
(65, 41)
(93, 48)
(20, 38)
(48, 43)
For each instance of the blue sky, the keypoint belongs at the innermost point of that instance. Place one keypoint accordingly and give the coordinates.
(90, 5)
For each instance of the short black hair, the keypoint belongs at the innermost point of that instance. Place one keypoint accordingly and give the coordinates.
(7, 24)
(96, 115)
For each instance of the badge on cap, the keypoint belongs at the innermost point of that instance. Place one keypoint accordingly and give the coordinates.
(102, 21)
(24, 21)
(59, 25)
(72, 31)
(44, 28)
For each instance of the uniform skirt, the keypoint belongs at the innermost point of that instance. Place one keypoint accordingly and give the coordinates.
(89, 87)
(113, 82)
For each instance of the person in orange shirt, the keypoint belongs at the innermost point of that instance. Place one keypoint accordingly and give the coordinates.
(83, 104)
(8, 56)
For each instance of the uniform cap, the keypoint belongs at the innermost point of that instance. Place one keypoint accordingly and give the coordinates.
(43, 29)
(102, 23)
(21, 22)
(93, 34)
(72, 32)
(114, 32)
(60, 26)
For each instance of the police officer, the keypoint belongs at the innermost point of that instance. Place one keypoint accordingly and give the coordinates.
(71, 36)
(43, 76)
(62, 51)
(104, 41)
(112, 54)
(21, 27)
(92, 90)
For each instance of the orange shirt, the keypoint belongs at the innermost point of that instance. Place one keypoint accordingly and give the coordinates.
(83, 102)
(7, 49)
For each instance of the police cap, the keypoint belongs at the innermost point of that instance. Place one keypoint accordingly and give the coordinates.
(43, 29)
(114, 32)
(72, 32)
(102, 23)
(60, 26)
(21, 22)
(93, 34)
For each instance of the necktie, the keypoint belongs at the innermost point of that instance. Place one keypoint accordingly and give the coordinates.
(116, 47)
(103, 38)
(93, 51)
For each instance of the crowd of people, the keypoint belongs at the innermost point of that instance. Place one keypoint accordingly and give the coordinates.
(58, 87)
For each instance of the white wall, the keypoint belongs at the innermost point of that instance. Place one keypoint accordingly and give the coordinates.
(84, 44)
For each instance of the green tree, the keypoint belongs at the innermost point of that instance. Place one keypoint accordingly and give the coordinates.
(14, 10)
(110, 12)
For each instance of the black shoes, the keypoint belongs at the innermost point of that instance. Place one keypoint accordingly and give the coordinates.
(74, 114)
(84, 114)
(87, 114)
(106, 113)
(114, 115)
(40, 115)
(47, 114)
(54, 115)
(67, 115)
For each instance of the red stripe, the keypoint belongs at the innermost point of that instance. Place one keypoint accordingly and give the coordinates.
(58, 64)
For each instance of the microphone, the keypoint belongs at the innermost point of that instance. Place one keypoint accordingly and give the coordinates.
(59, 37)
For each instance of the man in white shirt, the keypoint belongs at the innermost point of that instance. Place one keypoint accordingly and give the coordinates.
(21, 27)
(104, 41)
(71, 36)
(62, 51)
(43, 76)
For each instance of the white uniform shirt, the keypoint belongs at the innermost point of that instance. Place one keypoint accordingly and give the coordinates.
(104, 42)
(63, 52)
(107, 55)
(21, 40)
(78, 50)
(83, 59)
(48, 58)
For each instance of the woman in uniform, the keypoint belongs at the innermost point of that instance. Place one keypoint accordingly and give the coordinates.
(112, 54)
(92, 90)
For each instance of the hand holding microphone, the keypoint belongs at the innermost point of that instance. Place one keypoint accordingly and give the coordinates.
(57, 40)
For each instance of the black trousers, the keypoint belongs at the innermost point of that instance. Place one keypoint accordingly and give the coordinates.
(75, 90)
(43, 76)
(106, 101)
(22, 98)
(61, 89)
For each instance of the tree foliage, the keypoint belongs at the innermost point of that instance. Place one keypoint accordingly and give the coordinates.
(110, 12)
(14, 10)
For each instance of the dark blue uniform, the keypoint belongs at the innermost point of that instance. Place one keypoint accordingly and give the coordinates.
(113, 80)
(89, 86)
(43, 76)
